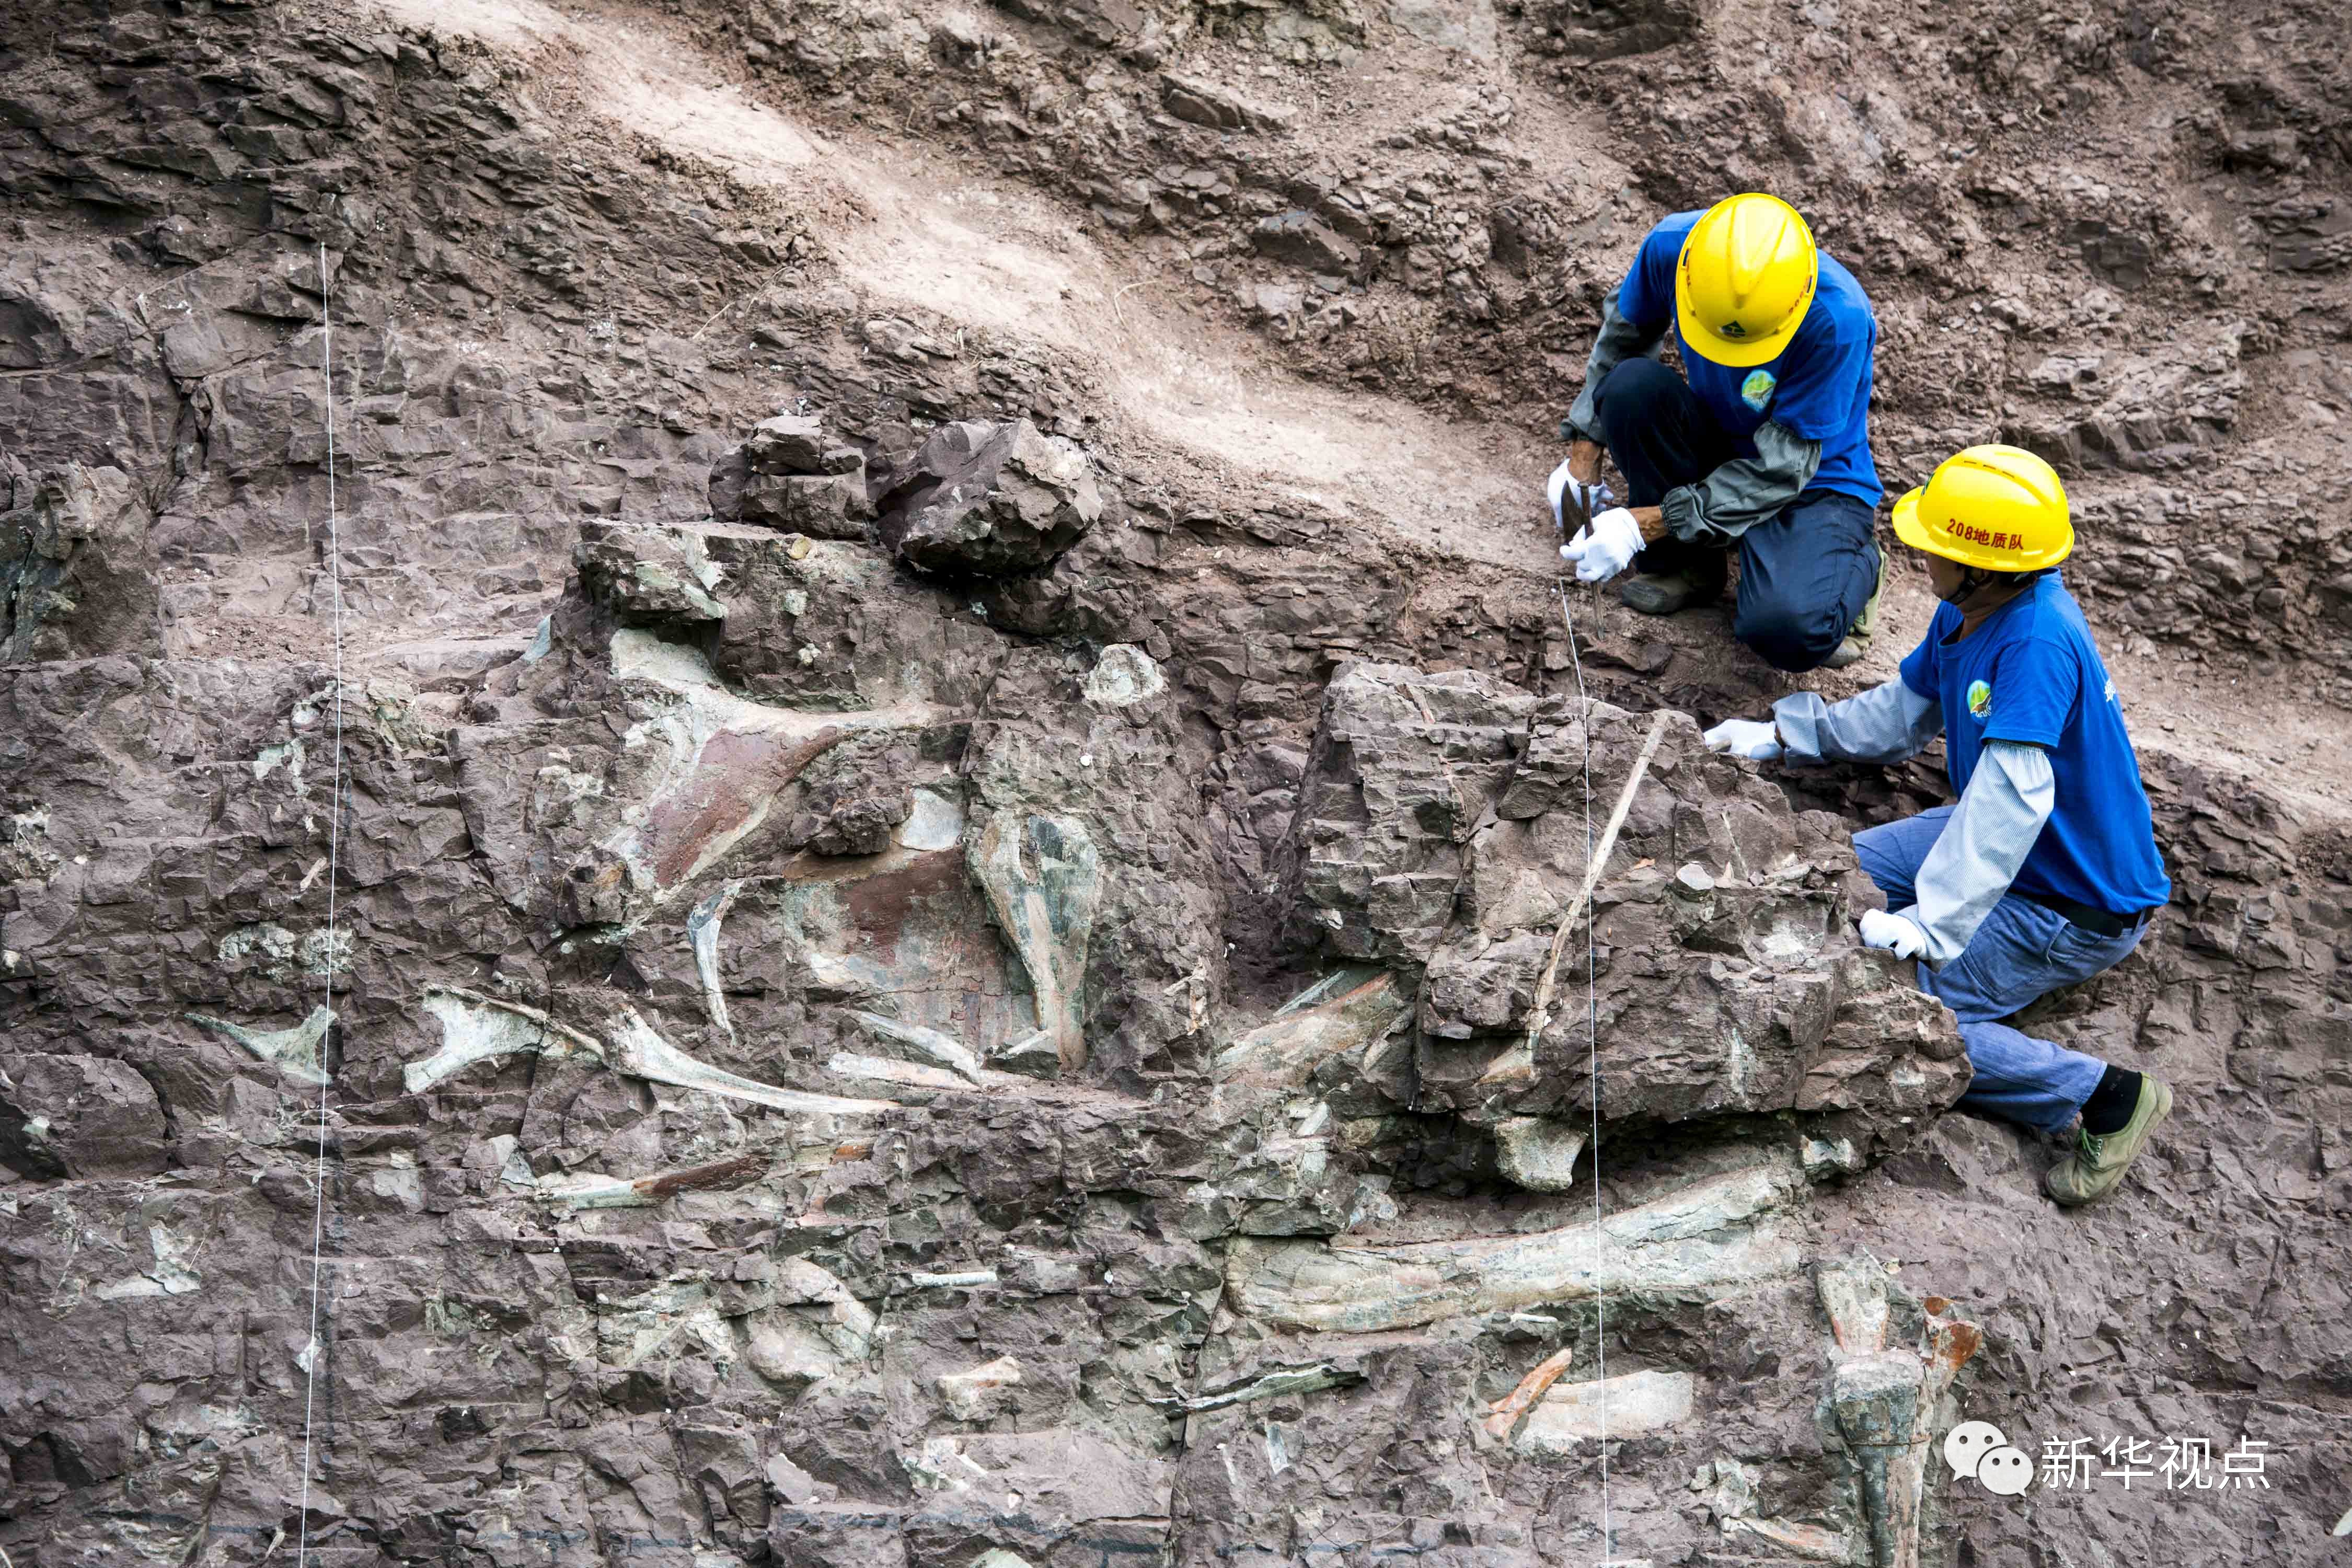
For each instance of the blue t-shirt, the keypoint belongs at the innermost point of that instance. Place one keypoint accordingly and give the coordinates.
(1819, 387)
(2031, 674)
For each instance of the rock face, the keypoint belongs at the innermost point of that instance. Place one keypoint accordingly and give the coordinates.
(986, 500)
(788, 476)
(78, 572)
(1442, 828)
(1079, 1013)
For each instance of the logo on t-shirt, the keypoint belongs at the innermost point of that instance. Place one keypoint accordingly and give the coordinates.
(1980, 699)
(1757, 390)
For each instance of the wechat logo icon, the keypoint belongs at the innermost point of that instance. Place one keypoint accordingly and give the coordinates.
(1981, 1452)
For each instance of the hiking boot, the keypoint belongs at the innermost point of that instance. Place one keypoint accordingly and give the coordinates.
(1866, 625)
(1847, 652)
(2099, 1160)
(1664, 592)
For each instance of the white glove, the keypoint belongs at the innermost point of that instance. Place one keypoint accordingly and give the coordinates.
(1758, 740)
(1605, 548)
(1566, 489)
(1893, 932)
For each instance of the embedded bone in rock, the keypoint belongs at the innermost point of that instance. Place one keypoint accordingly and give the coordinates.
(1044, 880)
(1537, 1153)
(1721, 1234)
(1887, 1400)
(1275, 1385)
(944, 1050)
(295, 1051)
(638, 1050)
(1346, 1012)
(1124, 676)
(609, 360)
(976, 1396)
(1574, 1414)
(703, 926)
(78, 568)
(984, 500)
(589, 1191)
(1443, 821)
(481, 1029)
(593, 827)
(1506, 1412)
(909, 1083)
(904, 934)
(1154, 957)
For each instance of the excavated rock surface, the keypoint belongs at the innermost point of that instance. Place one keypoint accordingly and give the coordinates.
(905, 970)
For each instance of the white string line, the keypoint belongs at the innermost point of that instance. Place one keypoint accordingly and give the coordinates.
(334, 859)
(1592, 1052)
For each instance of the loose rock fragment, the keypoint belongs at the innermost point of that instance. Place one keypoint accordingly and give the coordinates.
(983, 501)
(1537, 1153)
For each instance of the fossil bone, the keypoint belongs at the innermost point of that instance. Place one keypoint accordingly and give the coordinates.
(967, 1394)
(638, 1051)
(1345, 1012)
(1044, 880)
(702, 931)
(475, 1028)
(1537, 1153)
(1853, 1294)
(1708, 1236)
(1885, 1400)
(865, 1070)
(1270, 1385)
(294, 1052)
(592, 1192)
(945, 1050)
(1508, 1410)
(1623, 1406)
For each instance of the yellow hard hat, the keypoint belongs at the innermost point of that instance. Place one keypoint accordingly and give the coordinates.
(1997, 508)
(1745, 281)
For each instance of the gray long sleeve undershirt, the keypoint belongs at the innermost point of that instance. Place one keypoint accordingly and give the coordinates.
(1618, 340)
(1745, 492)
(2000, 814)
(1885, 724)
(1738, 495)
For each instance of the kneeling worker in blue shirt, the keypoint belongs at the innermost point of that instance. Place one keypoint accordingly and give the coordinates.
(1761, 447)
(2047, 870)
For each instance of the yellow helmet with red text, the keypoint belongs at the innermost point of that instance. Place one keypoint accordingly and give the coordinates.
(1998, 509)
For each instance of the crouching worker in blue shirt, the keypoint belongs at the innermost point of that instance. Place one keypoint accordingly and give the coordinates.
(1764, 450)
(2046, 872)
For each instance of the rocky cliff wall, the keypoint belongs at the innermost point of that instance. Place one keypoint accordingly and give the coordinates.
(859, 1028)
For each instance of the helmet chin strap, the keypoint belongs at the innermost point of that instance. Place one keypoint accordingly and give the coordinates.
(1970, 581)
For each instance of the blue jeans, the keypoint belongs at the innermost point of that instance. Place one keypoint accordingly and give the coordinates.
(2021, 953)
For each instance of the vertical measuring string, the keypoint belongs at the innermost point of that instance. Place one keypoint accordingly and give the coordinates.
(1592, 1049)
(316, 1352)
